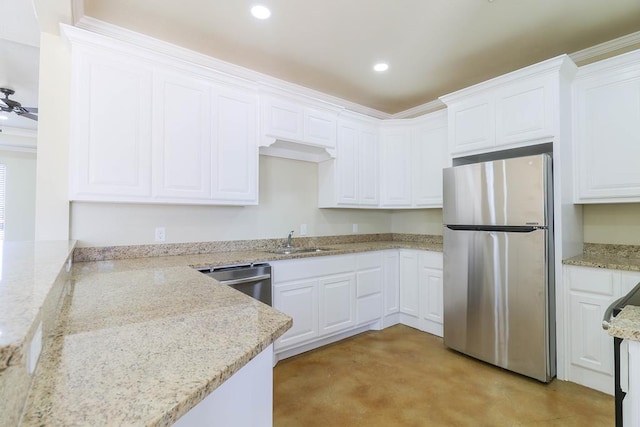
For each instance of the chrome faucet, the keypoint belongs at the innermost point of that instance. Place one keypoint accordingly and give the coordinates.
(289, 240)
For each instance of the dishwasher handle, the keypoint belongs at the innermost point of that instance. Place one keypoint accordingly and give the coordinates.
(245, 279)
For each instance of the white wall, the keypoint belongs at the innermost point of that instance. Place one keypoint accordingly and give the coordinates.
(422, 221)
(20, 202)
(288, 198)
(52, 205)
(612, 223)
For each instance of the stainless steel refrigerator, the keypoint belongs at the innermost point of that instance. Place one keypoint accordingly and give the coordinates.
(498, 264)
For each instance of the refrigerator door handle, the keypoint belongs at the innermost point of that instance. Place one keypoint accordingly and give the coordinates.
(505, 228)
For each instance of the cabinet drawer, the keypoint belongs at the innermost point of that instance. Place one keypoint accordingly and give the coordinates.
(592, 280)
(296, 269)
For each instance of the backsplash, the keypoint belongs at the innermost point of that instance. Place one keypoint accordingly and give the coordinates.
(609, 250)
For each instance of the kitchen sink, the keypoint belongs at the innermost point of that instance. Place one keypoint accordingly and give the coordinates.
(294, 250)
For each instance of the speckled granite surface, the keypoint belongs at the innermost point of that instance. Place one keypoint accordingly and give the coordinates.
(626, 324)
(32, 280)
(124, 321)
(243, 246)
(141, 345)
(613, 257)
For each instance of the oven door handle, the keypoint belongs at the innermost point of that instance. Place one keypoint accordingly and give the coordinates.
(608, 314)
(245, 280)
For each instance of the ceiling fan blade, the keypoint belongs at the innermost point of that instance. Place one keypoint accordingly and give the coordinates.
(31, 109)
(29, 116)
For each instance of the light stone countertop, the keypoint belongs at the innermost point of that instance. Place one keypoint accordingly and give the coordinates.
(609, 256)
(143, 340)
(143, 344)
(626, 324)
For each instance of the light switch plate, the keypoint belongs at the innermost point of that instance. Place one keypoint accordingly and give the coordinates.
(161, 234)
(354, 229)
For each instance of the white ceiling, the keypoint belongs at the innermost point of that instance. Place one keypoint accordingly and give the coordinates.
(433, 47)
(20, 53)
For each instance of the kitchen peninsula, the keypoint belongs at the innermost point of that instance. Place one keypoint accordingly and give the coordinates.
(143, 340)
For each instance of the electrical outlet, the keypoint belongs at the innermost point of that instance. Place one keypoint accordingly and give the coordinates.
(161, 234)
(354, 228)
(303, 229)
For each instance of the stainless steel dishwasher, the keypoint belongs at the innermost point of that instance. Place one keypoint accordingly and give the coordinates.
(250, 279)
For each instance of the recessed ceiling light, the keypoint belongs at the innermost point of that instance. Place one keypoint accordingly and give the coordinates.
(260, 12)
(381, 66)
(4, 118)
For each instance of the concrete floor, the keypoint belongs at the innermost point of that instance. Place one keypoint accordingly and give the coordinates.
(404, 377)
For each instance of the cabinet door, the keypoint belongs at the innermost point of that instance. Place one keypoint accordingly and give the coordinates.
(391, 282)
(429, 156)
(234, 160)
(524, 111)
(299, 300)
(182, 137)
(591, 347)
(347, 163)
(607, 135)
(472, 124)
(282, 119)
(110, 150)
(395, 163)
(369, 277)
(431, 301)
(368, 176)
(320, 127)
(337, 303)
(409, 283)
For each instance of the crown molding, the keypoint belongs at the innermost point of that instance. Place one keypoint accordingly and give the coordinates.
(164, 48)
(419, 110)
(606, 47)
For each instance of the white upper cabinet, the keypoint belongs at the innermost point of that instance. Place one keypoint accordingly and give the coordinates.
(182, 135)
(395, 164)
(429, 157)
(517, 109)
(297, 121)
(110, 147)
(413, 154)
(351, 179)
(158, 130)
(234, 178)
(606, 132)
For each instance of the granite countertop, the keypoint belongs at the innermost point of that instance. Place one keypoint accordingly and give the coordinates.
(140, 342)
(143, 340)
(613, 257)
(626, 324)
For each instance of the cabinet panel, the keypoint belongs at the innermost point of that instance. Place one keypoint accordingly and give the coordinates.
(300, 301)
(472, 124)
(347, 164)
(607, 135)
(111, 134)
(431, 294)
(523, 111)
(368, 176)
(429, 156)
(235, 152)
(409, 283)
(337, 303)
(182, 135)
(591, 347)
(391, 282)
(369, 308)
(319, 128)
(282, 119)
(593, 280)
(396, 168)
(628, 280)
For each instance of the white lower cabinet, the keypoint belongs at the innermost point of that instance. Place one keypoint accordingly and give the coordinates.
(336, 299)
(421, 290)
(333, 297)
(590, 348)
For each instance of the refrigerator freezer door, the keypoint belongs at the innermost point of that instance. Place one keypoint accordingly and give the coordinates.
(495, 299)
(501, 192)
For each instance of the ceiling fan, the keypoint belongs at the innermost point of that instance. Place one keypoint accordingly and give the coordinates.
(10, 106)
